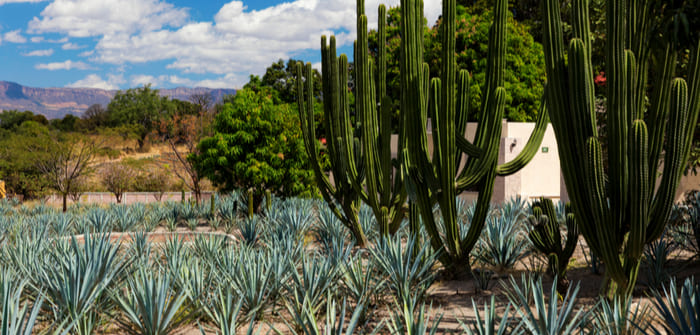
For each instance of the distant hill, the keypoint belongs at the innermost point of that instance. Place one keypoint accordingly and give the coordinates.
(57, 102)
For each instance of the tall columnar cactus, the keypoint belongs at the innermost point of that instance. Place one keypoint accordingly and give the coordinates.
(360, 154)
(546, 236)
(438, 180)
(620, 209)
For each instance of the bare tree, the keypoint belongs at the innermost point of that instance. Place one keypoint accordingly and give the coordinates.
(204, 101)
(154, 180)
(80, 186)
(118, 178)
(62, 161)
(182, 133)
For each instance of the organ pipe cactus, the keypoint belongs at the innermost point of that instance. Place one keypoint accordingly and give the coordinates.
(360, 153)
(620, 209)
(547, 239)
(438, 180)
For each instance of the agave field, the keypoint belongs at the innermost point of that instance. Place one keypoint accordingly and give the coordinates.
(214, 269)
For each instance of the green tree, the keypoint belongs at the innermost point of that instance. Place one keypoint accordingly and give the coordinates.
(139, 110)
(525, 75)
(12, 119)
(17, 165)
(282, 79)
(68, 123)
(257, 145)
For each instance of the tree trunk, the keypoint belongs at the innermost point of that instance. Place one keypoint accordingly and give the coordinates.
(65, 202)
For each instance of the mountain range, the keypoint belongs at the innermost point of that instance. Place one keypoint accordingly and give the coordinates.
(57, 102)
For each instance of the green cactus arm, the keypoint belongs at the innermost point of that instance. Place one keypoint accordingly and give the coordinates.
(658, 115)
(532, 146)
(462, 117)
(473, 171)
(349, 151)
(581, 93)
(595, 197)
(694, 99)
(306, 117)
(603, 235)
(673, 160)
(572, 234)
(468, 148)
(481, 211)
(476, 170)
(365, 108)
(639, 190)
(582, 31)
(617, 109)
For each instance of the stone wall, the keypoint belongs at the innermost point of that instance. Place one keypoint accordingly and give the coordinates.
(128, 198)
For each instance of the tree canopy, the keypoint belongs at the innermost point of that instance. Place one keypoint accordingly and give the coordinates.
(525, 75)
(138, 110)
(257, 145)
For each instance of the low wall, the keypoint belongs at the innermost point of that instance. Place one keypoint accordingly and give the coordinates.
(128, 197)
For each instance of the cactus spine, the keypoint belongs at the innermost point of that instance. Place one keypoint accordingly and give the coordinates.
(438, 180)
(619, 212)
(546, 237)
(360, 154)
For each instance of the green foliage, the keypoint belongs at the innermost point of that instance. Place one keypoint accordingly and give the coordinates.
(680, 311)
(558, 317)
(17, 165)
(138, 111)
(257, 145)
(524, 75)
(282, 79)
(152, 306)
(12, 119)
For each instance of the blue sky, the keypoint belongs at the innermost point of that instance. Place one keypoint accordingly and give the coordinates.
(117, 44)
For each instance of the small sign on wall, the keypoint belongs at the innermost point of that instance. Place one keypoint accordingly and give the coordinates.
(545, 150)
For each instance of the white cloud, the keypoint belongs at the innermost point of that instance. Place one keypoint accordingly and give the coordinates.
(2, 2)
(37, 39)
(85, 18)
(72, 46)
(59, 41)
(239, 41)
(142, 79)
(95, 81)
(15, 36)
(234, 44)
(39, 53)
(67, 65)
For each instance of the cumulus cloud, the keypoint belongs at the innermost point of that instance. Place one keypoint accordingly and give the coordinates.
(72, 46)
(15, 36)
(67, 65)
(95, 81)
(39, 53)
(241, 41)
(142, 79)
(86, 18)
(237, 41)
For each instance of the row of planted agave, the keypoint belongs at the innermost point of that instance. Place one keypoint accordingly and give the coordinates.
(293, 268)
